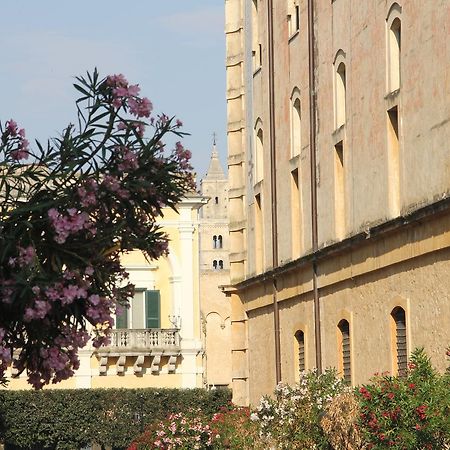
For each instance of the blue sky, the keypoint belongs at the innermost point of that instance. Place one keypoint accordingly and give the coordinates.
(174, 49)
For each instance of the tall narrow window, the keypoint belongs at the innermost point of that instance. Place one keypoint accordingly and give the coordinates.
(219, 241)
(215, 264)
(216, 200)
(339, 187)
(214, 241)
(259, 256)
(256, 44)
(152, 309)
(341, 88)
(295, 214)
(393, 161)
(344, 350)
(259, 150)
(394, 55)
(220, 264)
(399, 346)
(300, 341)
(296, 139)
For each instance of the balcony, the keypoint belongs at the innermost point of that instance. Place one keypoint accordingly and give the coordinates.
(154, 343)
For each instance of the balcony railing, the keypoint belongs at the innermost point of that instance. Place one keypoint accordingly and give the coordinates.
(156, 344)
(145, 339)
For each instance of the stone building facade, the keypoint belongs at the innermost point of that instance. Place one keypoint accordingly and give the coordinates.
(215, 272)
(338, 154)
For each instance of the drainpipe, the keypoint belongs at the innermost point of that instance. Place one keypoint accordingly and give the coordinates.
(273, 187)
(312, 148)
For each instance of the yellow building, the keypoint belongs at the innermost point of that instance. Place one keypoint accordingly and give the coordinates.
(339, 182)
(158, 341)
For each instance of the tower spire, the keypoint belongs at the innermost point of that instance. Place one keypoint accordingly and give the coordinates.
(215, 170)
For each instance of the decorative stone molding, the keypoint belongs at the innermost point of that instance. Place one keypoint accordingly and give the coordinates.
(155, 364)
(120, 366)
(103, 365)
(137, 368)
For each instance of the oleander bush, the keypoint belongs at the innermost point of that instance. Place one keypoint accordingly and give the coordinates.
(68, 211)
(291, 419)
(71, 419)
(234, 429)
(229, 428)
(411, 412)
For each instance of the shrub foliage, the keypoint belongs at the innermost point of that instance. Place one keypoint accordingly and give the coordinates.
(71, 419)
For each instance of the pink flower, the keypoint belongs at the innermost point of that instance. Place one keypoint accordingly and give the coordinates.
(140, 107)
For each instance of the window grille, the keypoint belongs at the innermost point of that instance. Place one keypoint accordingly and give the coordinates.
(400, 340)
(344, 328)
(300, 337)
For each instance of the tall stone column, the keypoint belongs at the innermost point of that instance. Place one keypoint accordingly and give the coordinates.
(191, 345)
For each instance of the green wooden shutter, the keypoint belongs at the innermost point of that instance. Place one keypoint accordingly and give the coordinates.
(122, 319)
(152, 309)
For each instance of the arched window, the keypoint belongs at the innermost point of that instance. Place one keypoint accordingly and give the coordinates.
(394, 28)
(215, 264)
(220, 264)
(216, 200)
(293, 16)
(219, 241)
(340, 94)
(259, 154)
(399, 347)
(344, 350)
(296, 141)
(214, 241)
(300, 347)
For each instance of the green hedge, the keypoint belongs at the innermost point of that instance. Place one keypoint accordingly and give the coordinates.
(71, 419)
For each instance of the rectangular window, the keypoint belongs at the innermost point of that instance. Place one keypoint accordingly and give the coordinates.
(339, 186)
(295, 214)
(122, 319)
(152, 309)
(259, 237)
(393, 161)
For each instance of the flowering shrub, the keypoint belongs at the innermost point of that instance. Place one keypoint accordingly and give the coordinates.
(234, 429)
(67, 215)
(291, 420)
(177, 432)
(409, 412)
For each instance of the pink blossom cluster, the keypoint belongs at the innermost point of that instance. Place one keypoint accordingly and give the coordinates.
(183, 156)
(126, 94)
(137, 126)
(13, 132)
(25, 258)
(88, 193)
(127, 159)
(73, 222)
(113, 184)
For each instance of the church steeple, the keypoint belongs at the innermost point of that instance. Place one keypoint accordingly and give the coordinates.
(215, 171)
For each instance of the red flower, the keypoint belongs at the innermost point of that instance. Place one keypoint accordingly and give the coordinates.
(420, 410)
(365, 393)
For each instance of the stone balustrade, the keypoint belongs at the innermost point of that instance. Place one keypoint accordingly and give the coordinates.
(154, 343)
(145, 339)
